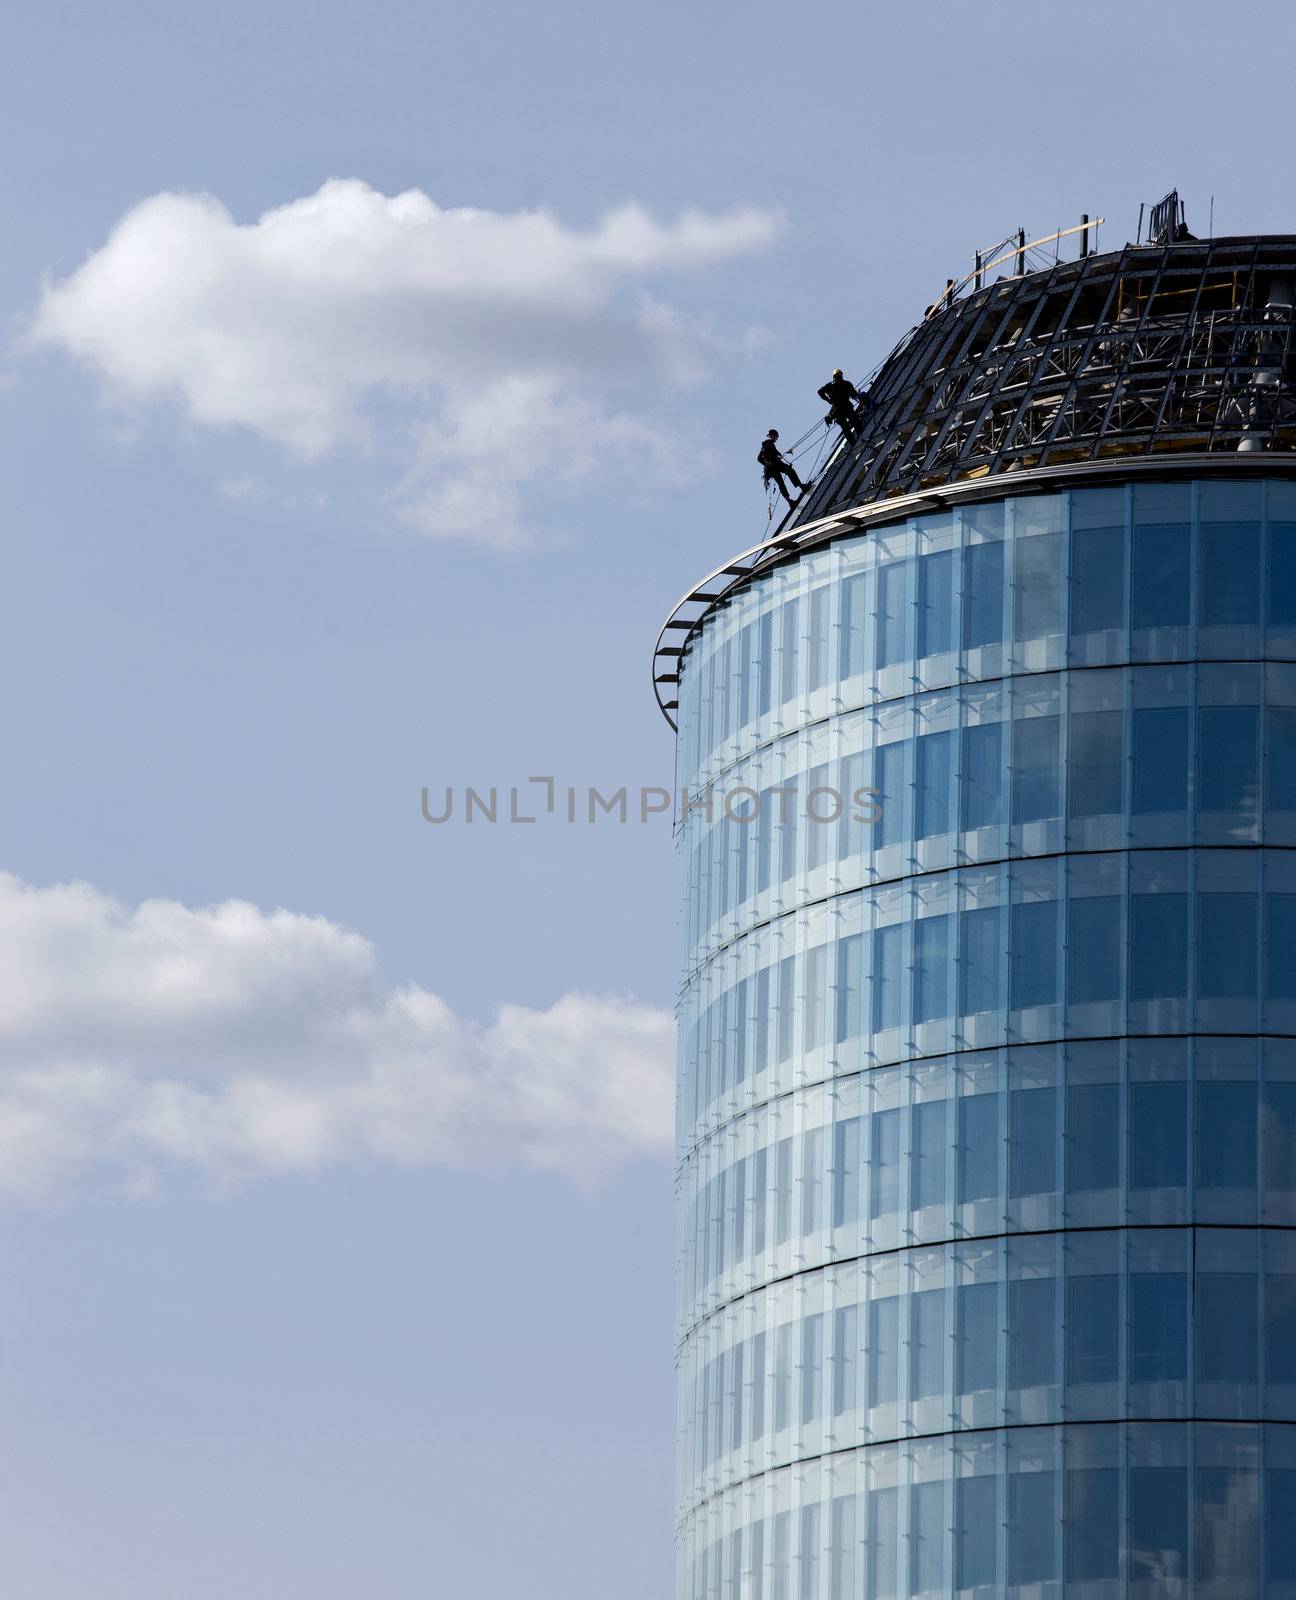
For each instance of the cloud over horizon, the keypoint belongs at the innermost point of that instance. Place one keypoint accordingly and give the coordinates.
(507, 346)
(243, 1042)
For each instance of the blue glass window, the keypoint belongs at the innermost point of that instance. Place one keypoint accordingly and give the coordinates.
(976, 1528)
(1093, 949)
(1032, 1327)
(1160, 741)
(1228, 761)
(983, 588)
(884, 1351)
(1230, 553)
(979, 966)
(1280, 744)
(1035, 769)
(765, 665)
(1093, 1136)
(1032, 1115)
(936, 603)
(1093, 1329)
(808, 1557)
(1032, 1518)
(1279, 1133)
(846, 1172)
(1280, 1328)
(935, 775)
(850, 984)
(1282, 571)
(1034, 954)
(1159, 1528)
(1094, 763)
(843, 1548)
(978, 1116)
(1226, 946)
(853, 622)
(1228, 1530)
(1280, 1525)
(1097, 560)
(811, 1367)
(1037, 575)
(1093, 1522)
(932, 968)
(1280, 946)
(888, 780)
(885, 1153)
(1227, 1327)
(886, 977)
(930, 1142)
(816, 644)
(845, 1344)
(982, 774)
(1162, 541)
(1158, 1135)
(1226, 1135)
(927, 1524)
(1158, 1327)
(884, 1543)
(790, 640)
(978, 1336)
(1158, 946)
(891, 580)
(927, 1354)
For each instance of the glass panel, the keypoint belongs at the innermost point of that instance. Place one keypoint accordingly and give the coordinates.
(1035, 769)
(1160, 759)
(1227, 1327)
(1037, 579)
(1228, 760)
(1094, 769)
(932, 968)
(1230, 572)
(1158, 1135)
(1226, 1146)
(927, 1357)
(1032, 1327)
(1162, 542)
(1093, 1136)
(927, 1522)
(1034, 954)
(936, 603)
(978, 1337)
(1093, 949)
(982, 774)
(1159, 1528)
(1093, 1524)
(983, 586)
(1158, 1327)
(1098, 570)
(1033, 1118)
(1226, 946)
(930, 1147)
(935, 774)
(979, 1147)
(886, 977)
(1032, 1518)
(979, 967)
(891, 613)
(976, 1525)
(884, 1351)
(1158, 946)
(1093, 1329)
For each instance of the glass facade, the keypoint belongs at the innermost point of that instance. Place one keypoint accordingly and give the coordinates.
(987, 1095)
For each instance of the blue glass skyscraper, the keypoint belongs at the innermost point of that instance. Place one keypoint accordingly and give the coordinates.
(987, 1095)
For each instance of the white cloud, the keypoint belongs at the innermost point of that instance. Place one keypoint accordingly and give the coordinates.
(239, 1042)
(299, 325)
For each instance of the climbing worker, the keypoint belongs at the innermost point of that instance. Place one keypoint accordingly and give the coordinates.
(776, 467)
(843, 400)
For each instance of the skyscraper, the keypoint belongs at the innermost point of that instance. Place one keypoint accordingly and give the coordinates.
(987, 1095)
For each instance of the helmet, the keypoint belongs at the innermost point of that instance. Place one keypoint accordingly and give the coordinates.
(772, 434)
(837, 372)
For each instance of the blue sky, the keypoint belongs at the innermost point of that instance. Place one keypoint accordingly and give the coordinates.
(339, 1241)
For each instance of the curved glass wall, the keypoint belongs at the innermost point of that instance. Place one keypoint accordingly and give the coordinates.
(987, 1107)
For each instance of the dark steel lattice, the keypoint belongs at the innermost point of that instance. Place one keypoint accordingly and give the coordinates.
(1152, 349)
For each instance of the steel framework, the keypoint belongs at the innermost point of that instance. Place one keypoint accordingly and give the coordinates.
(1184, 346)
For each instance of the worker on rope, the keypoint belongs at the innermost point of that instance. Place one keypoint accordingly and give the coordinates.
(845, 403)
(777, 468)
